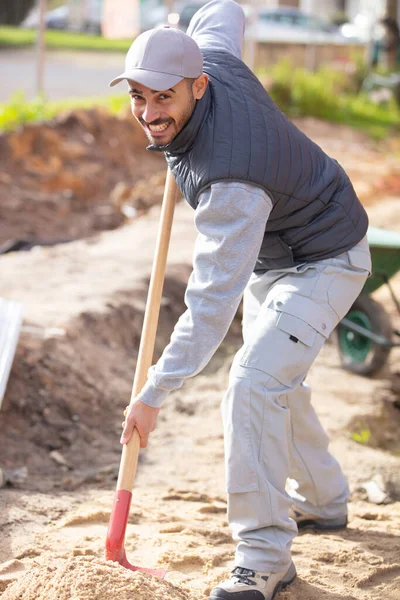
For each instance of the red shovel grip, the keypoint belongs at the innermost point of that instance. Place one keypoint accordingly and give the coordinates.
(117, 526)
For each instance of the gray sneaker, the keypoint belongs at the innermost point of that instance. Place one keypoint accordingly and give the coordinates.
(305, 520)
(245, 584)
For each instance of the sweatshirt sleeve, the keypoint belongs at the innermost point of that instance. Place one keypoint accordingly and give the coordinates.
(230, 220)
(219, 25)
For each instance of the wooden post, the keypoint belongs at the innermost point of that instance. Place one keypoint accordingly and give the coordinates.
(310, 54)
(251, 43)
(393, 9)
(41, 47)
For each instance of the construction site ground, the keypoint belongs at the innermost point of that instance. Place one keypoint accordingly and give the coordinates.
(81, 196)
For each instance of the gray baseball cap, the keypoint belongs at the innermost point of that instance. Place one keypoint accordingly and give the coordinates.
(160, 58)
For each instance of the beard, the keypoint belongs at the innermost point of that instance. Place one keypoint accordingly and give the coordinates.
(176, 125)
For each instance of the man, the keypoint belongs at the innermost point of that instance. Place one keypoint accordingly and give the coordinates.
(279, 219)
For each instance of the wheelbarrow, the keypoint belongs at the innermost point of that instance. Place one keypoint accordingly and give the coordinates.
(365, 336)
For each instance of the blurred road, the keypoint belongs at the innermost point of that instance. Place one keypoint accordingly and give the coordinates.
(67, 74)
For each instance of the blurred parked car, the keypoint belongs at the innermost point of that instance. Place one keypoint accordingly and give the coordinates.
(57, 18)
(54, 19)
(85, 18)
(281, 24)
(157, 16)
(292, 26)
(186, 13)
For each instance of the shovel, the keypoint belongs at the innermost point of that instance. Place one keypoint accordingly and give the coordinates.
(115, 549)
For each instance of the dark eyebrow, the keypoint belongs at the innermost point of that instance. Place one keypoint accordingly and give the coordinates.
(135, 91)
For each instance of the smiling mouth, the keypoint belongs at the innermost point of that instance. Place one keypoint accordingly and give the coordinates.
(158, 128)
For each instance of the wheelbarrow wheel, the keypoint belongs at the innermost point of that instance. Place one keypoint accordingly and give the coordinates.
(358, 353)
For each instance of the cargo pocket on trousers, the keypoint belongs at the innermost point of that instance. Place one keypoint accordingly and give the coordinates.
(286, 345)
(240, 461)
(293, 350)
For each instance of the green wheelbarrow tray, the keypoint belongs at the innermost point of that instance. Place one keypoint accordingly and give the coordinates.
(385, 253)
(365, 335)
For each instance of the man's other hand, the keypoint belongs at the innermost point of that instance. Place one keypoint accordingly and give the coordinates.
(142, 417)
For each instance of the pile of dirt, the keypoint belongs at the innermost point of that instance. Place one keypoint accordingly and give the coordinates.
(62, 179)
(90, 578)
(66, 394)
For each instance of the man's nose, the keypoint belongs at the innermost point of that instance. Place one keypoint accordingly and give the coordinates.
(150, 113)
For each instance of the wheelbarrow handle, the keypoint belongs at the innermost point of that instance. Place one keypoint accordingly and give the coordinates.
(130, 451)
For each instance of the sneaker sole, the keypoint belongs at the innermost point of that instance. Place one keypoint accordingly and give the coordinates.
(321, 526)
(292, 574)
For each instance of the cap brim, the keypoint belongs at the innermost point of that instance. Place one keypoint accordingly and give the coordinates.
(151, 79)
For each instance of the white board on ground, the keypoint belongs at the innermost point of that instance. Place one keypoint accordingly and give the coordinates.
(10, 326)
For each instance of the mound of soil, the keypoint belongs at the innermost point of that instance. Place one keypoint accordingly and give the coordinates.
(66, 395)
(89, 578)
(61, 180)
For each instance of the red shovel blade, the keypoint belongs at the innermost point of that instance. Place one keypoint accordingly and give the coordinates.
(115, 550)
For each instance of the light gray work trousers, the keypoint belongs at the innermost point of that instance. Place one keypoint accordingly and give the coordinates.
(271, 431)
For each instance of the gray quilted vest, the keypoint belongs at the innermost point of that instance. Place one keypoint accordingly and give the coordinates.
(237, 133)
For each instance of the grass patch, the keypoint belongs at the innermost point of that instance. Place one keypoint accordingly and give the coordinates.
(14, 37)
(18, 111)
(330, 95)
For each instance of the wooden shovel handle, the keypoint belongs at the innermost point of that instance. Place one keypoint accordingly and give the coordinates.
(130, 451)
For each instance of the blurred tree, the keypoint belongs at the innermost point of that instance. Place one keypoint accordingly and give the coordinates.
(12, 12)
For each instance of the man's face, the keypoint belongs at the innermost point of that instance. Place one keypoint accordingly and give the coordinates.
(163, 114)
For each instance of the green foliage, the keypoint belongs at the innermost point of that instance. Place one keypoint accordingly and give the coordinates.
(306, 93)
(19, 111)
(15, 37)
(329, 95)
(361, 71)
(82, 41)
(61, 40)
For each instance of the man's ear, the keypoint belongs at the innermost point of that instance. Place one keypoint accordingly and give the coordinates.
(199, 86)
